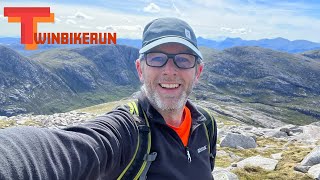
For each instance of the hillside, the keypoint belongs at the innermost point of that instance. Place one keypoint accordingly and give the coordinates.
(62, 79)
(313, 54)
(23, 81)
(255, 85)
(278, 86)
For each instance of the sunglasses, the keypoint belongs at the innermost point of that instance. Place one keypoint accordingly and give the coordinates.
(181, 60)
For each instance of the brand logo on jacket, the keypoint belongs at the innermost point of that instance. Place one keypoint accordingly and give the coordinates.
(202, 149)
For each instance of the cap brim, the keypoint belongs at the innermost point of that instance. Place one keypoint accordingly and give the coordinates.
(170, 40)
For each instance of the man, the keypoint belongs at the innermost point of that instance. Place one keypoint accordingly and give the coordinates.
(169, 66)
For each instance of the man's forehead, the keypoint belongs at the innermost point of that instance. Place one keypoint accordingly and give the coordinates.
(178, 48)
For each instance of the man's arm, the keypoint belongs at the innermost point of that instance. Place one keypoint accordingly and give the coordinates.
(100, 148)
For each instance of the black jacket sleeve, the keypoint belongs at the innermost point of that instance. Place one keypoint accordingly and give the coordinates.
(98, 149)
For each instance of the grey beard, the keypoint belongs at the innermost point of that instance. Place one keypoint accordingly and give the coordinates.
(156, 102)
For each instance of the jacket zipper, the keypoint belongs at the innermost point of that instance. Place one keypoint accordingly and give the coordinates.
(186, 147)
(188, 154)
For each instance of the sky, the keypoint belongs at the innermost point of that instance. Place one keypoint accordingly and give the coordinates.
(211, 19)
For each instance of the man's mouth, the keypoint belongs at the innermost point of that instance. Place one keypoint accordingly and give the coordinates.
(169, 86)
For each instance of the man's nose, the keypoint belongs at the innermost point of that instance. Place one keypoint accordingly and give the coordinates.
(170, 68)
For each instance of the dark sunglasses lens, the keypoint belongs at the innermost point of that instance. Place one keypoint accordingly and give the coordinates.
(156, 59)
(185, 60)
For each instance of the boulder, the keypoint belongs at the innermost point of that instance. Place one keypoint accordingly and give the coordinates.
(312, 158)
(303, 169)
(267, 164)
(276, 156)
(291, 129)
(238, 140)
(224, 175)
(314, 171)
(276, 134)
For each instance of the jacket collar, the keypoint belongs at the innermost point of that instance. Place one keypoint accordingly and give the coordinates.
(155, 116)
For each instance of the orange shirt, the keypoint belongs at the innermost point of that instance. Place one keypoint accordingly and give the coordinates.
(184, 129)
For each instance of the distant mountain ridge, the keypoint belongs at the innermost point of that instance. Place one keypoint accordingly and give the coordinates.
(279, 44)
(251, 84)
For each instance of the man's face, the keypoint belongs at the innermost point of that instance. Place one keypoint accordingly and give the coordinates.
(168, 87)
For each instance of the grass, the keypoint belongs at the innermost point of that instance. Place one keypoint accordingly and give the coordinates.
(9, 123)
(6, 123)
(293, 153)
(102, 108)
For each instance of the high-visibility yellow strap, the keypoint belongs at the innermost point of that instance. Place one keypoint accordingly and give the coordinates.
(134, 156)
(136, 108)
(131, 107)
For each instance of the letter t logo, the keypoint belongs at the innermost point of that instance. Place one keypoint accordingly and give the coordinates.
(29, 17)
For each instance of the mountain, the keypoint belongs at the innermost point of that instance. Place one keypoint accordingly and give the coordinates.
(23, 81)
(279, 44)
(313, 54)
(92, 68)
(250, 84)
(283, 87)
(62, 79)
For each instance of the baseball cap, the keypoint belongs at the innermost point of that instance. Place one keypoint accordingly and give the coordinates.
(168, 30)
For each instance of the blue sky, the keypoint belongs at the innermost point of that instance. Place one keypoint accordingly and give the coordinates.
(213, 19)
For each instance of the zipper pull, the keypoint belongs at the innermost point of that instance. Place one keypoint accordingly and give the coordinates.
(188, 154)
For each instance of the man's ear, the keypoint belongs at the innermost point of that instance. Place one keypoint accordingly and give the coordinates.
(198, 72)
(139, 70)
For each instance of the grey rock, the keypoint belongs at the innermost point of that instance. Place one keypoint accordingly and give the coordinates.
(314, 171)
(312, 158)
(224, 175)
(303, 169)
(238, 140)
(291, 129)
(259, 161)
(222, 153)
(276, 134)
(250, 134)
(234, 157)
(234, 165)
(276, 156)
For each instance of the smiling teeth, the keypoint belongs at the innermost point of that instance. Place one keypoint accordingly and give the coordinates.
(169, 86)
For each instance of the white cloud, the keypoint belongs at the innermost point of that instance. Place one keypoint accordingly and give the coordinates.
(240, 31)
(120, 28)
(70, 21)
(57, 19)
(152, 8)
(209, 18)
(81, 15)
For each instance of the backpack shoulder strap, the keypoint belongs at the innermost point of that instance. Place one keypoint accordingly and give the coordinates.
(142, 158)
(210, 128)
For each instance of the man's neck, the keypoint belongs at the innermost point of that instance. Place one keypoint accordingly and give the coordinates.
(173, 118)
